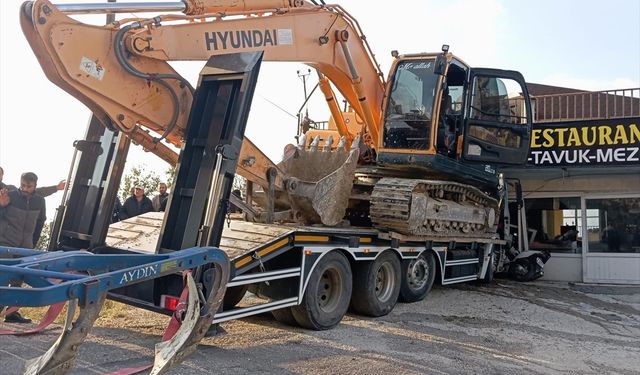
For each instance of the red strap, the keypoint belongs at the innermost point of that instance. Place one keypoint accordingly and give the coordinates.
(170, 331)
(8, 311)
(52, 313)
(176, 321)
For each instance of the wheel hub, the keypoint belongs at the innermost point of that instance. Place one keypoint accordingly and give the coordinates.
(329, 290)
(384, 282)
(418, 273)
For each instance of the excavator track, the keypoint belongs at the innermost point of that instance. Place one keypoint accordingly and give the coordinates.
(432, 208)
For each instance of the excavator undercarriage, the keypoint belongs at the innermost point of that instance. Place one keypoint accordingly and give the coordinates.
(432, 208)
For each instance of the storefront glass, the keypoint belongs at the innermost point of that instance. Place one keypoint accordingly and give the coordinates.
(555, 224)
(614, 225)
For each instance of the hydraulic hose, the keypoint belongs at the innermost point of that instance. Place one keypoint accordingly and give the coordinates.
(120, 53)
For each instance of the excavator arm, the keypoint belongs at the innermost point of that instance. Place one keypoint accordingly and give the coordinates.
(121, 71)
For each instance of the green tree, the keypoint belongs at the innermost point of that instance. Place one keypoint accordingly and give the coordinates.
(43, 242)
(149, 180)
(240, 183)
(171, 175)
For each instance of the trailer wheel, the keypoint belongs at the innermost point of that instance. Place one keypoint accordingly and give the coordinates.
(285, 316)
(326, 298)
(233, 295)
(417, 277)
(376, 285)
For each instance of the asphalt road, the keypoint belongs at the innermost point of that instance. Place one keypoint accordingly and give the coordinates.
(504, 328)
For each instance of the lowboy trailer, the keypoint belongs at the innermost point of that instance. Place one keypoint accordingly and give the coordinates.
(204, 263)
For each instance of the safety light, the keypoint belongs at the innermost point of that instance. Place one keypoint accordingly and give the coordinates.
(169, 302)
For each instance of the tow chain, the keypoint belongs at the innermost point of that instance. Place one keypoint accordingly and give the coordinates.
(260, 265)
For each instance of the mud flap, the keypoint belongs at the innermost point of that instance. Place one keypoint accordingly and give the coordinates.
(319, 180)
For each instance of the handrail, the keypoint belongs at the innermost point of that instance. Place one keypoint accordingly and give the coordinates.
(586, 105)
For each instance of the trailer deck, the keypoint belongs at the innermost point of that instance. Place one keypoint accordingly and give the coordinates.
(248, 244)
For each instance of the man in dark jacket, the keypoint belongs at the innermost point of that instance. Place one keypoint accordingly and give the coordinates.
(135, 205)
(22, 217)
(160, 200)
(117, 208)
(4, 190)
(44, 191)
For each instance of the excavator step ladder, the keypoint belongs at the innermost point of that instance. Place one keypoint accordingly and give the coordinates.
(83, 279)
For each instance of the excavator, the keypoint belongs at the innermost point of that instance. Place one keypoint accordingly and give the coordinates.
(417, 158)
(426, 164)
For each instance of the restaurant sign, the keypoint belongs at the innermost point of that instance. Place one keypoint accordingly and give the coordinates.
(586, 143)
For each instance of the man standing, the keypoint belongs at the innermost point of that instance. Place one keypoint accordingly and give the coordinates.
(22, 216)
(4, 191)
(117, 208)
(2, 185)
(44, 191)
(160, 200)
(137, 204)
(22, 219)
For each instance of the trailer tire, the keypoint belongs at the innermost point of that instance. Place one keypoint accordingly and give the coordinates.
(285, 316)
(233, 295)
(417, 277)
(326, 298)
(376, 285)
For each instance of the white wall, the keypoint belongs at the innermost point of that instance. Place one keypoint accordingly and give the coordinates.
(612, 268)
(563, 267)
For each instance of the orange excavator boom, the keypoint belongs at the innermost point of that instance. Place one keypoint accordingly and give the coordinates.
(121, 71)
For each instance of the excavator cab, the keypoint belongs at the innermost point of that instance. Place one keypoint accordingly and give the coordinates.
(443, 116)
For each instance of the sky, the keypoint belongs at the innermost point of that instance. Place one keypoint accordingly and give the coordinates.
(581, 44)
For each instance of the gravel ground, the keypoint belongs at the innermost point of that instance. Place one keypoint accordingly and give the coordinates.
(504, 328)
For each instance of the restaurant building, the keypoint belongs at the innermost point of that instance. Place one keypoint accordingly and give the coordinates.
(582, 183)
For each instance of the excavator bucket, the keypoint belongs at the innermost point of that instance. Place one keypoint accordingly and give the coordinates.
(319, 180)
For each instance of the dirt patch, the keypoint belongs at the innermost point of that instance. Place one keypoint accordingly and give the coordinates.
(530, 328)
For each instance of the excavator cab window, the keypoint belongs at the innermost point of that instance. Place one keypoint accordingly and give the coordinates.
(410, 105)
(498, 123)
(450, 118)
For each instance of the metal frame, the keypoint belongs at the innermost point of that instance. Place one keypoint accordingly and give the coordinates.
(311, 253)
(208, 160)
(102, 273)
(83, 219)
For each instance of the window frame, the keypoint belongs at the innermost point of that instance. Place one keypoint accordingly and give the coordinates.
(548, 195)
(585, 246)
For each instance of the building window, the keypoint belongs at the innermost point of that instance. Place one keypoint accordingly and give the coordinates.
(614, 225)
(573, 217)
(556, 223)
